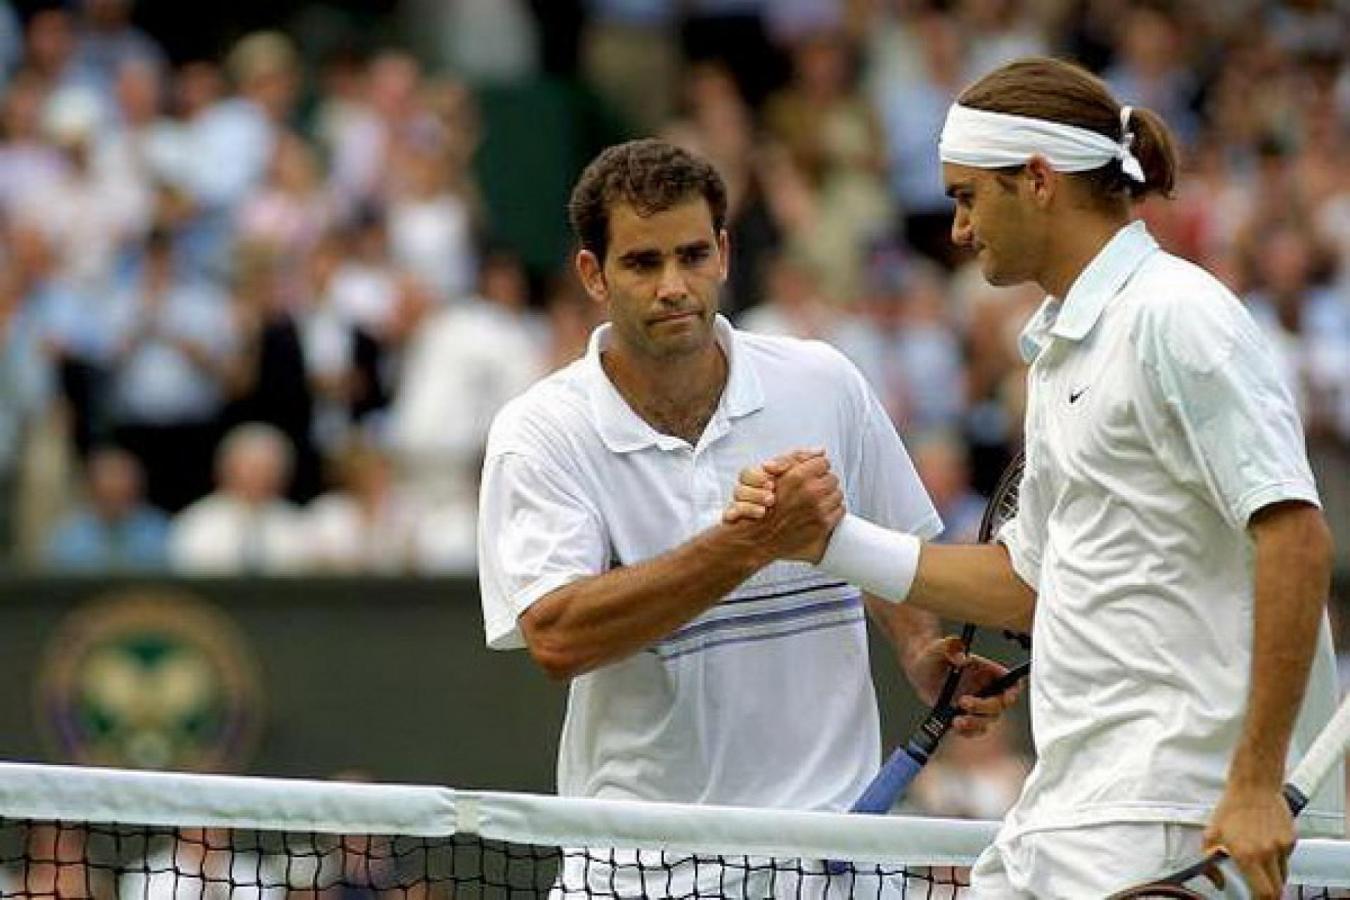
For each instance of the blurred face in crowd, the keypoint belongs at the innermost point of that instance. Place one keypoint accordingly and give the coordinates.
(1286, 263)
(660, 278)
(254, 471)
(138, 91)
(51, 40)
(107, 14)
(1000, 218)
(114, 483)
(198, 85)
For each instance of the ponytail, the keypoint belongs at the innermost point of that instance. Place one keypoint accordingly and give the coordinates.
(1156, 150)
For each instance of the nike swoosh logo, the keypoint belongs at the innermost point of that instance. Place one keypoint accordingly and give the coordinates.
(1074, 395)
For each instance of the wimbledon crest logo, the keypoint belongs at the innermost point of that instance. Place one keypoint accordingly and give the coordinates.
(150, 679)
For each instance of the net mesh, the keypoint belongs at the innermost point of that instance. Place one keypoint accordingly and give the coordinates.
(83, 860)
(112, 834)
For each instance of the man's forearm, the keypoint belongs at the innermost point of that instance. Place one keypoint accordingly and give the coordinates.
(910, 630)
(1292, 578)
(972, 583)
(598, 620)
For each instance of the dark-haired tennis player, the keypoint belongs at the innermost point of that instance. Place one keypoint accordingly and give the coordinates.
(1169, 541)
(701, 670)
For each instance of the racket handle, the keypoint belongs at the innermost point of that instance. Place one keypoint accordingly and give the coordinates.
(881, 794)
(888, 784)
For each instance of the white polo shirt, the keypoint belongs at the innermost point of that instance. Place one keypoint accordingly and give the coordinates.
(1157, 425)
(766, 698)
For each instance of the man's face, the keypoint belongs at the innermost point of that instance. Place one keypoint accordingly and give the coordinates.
(995, 220)
(660, 278)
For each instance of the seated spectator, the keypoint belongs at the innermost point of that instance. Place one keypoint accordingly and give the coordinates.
(116, 530)
(366, 526)
(245, 526)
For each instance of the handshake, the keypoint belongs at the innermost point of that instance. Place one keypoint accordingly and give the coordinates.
(788, 506)
(791, 507)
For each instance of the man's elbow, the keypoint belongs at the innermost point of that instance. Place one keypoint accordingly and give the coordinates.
(550, 650)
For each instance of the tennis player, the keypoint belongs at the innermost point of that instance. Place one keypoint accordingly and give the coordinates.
(1169, 545)
(701, 671)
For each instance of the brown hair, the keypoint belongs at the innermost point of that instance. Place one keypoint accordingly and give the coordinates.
(652, 176)
(1059, 91)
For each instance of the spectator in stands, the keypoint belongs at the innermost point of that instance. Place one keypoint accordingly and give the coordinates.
(431, 234)
(835, 140)
(115, 530)
(233, 138)
(629, 55)
(912, 112)
(107, 40)
(463, 364)
(267, 375)
(361, 129)
(142, 149)
(71, 327)
(174, 338)
(291, 210)
(1151, 68)
(29, 165)
(49, 49)
(245, 527)
(367, 525)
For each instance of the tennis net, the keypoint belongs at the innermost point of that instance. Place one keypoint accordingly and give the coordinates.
(69, 833)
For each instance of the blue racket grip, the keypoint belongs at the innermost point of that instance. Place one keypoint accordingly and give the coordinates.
(885, 788)
(889, 784)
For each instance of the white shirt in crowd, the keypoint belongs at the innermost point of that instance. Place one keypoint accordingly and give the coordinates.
(1157, 425)
(220, 535)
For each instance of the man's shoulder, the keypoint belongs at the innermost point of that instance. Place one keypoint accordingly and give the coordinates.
(780, 357)
(553, 405)
(1186, 316)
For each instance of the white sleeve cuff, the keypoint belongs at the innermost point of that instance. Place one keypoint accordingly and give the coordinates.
(880, 561)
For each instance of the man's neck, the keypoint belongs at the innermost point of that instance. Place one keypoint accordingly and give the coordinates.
(1077, 243)
(675, 396)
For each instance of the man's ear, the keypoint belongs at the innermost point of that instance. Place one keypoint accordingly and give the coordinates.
(1042, 181)
(724, 249)
(592, 275)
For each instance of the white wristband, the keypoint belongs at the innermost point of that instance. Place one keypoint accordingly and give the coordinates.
(878, 560)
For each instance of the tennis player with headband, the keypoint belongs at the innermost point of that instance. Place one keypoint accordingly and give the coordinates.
(1169, 553)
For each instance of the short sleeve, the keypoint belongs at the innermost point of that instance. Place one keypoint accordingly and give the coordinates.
(1216, 375)
(536, 533)
(887, 489)
(1023, 535)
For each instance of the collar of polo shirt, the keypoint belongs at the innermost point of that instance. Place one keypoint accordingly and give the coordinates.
(1076, 315)
(624, 431)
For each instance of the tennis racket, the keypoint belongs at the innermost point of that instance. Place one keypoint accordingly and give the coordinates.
(1217, 869)
(900, 770)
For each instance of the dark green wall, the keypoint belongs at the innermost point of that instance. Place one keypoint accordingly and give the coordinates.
(386, 675)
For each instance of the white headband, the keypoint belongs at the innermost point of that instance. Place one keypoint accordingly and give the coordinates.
(991, 140)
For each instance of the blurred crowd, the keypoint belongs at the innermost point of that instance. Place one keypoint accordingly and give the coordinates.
(256, 313)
